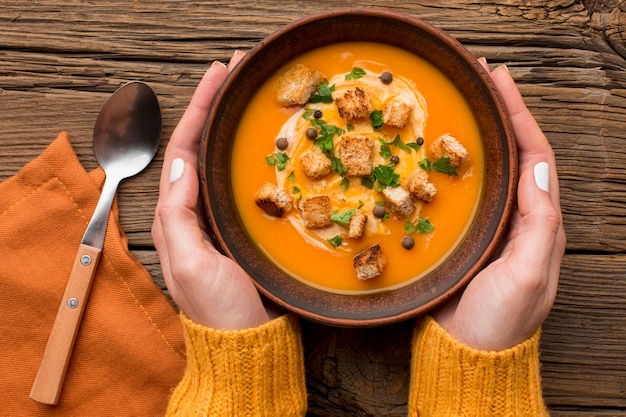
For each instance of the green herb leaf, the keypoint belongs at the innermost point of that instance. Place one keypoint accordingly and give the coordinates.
(335, 241)
(397, 141)
(425, 164)
(325, 139)
(385, 152)
(342, 219)
(355, 74)
(423, 226)
(444, 166)
(368, 182)
(292, 176)
(386, 176)
(361, 204)
(337, 166)
(324, 93)
(376, 117)
(349, 127)
(279, 159)
(345, 184)
(296, 190)
(308, 114)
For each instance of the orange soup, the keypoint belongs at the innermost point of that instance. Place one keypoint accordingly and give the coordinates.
(325, 261)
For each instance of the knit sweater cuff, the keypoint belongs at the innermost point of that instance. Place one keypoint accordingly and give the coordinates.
(252, 372)
(449, 378)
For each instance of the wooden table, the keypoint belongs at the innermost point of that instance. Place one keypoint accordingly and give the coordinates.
(60, 60)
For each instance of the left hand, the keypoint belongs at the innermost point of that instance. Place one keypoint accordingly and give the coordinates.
(509, 299)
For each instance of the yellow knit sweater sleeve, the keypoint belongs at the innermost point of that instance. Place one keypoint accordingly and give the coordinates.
(253, 372)
(452, 379)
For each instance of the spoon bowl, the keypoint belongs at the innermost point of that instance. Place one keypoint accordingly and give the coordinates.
(126, 137)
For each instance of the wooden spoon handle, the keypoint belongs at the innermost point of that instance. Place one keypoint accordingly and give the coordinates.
(47, 386)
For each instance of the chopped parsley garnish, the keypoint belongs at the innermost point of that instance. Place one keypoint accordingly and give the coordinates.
(423, 226)
(397, 141)
(324, 93)
(308, 113)
(350, 127)
(385, 151)
(279, 159)
(355, 74)
(337, 166)
(343, 218)
(443, 165)
(296, 189)
(345, 184)
(376, 117)
(292, 176)
(361, 204)
(386, 176)
(368, 181)
(325, 139)
(335, 241)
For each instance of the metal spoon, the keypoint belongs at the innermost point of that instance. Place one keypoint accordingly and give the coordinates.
(126, 137)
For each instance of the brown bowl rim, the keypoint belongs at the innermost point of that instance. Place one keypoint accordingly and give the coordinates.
(387, 306)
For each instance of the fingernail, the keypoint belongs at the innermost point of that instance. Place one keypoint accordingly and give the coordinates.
(218, 63)
(542, 176)
(176, 169)
(483, 60)
(503, 66)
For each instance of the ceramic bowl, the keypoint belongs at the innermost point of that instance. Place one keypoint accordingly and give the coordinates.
(451, 58)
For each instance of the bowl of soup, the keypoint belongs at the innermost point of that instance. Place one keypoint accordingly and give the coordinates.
(360, 166)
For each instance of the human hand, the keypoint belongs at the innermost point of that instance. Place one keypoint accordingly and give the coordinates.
(209, 288)
(509, 299)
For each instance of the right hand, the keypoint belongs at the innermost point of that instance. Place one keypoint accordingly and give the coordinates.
(209, 288)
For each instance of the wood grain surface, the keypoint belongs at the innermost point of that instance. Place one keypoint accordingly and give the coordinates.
(60, 60)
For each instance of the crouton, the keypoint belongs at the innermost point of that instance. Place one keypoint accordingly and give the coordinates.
(447, 146)
(399, 201)
(315, 164)
(354, 104)
(357, 155)
(369, 263)
(316, 211)
(296, 86)
(273, 200)
(356, 226)
(419, 187)
(396, 113)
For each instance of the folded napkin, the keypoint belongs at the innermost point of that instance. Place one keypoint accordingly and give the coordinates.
(129, 353)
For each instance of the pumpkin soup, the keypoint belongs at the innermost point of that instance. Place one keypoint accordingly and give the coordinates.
(358, 167)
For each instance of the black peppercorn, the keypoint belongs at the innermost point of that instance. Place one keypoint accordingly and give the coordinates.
(379, 211)
(282, 143)
(386, 77)
(408, 242)
(394, 159)
(420, 141)
(317, 114)
(311, 133)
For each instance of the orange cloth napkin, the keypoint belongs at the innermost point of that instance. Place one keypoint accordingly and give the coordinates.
(129, 353)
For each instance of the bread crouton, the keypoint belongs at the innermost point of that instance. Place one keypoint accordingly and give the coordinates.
(446, 145)
(316, 211)
(396, 113)
(273, 200)
(419, 187)
(315, 164)
(354, 104)
(369, 263)
(356, 226)
(296, 86)
(399, 201)
(357, 155)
